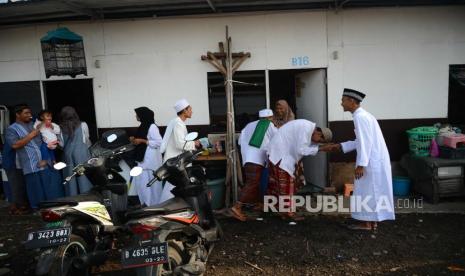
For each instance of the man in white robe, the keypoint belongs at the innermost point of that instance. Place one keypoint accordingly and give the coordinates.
(293, 141)
(174, 140)
(253, 139)
(373, 176)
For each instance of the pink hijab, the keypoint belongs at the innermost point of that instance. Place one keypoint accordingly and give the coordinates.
(288, 114)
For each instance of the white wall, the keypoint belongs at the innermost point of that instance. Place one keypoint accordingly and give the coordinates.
(398, 56)
(156, 62)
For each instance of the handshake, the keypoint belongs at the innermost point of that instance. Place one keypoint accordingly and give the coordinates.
(330, 147)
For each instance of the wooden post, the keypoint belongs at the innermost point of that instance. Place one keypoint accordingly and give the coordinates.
(231, 125)
(228, 63)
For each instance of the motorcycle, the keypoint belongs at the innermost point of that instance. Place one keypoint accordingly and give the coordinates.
(81, 229)
(177, 236)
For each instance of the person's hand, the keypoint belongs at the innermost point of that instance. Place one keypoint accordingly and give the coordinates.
(326, 148)
(42, 163)
(131, 139)
(137, 141)
(330, 148)
(34, 133)
(197, 144)
(359, 172)
(52, 144)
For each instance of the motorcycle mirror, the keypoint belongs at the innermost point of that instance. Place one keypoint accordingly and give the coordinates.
(59, 166)
(136, 171)
(191, 136)
(112, 138)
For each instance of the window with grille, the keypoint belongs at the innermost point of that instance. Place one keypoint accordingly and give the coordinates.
(249, 98)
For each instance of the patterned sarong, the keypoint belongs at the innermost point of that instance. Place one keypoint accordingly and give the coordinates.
(250, 193)
(281, 183)
(299, 175)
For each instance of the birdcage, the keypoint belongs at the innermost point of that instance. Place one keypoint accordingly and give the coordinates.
(63, 53)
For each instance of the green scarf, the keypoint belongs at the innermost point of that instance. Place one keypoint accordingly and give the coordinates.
(259, 133)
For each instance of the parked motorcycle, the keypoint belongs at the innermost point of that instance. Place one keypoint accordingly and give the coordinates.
(81, 229)
(177, 236)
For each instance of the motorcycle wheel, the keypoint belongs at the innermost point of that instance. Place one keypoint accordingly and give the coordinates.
(174, 255)
(62, 265)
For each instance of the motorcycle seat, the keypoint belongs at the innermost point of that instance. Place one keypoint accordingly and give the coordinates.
(170, 206)
(70, 200)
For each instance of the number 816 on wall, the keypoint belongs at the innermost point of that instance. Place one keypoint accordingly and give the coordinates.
(300, 61)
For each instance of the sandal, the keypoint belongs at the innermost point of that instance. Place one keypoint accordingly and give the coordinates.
(13, 211)
(18, 212)
(297, 218)
(258, 207)
(371, 227)
(374, 226)
(237, 214)
(292, 217)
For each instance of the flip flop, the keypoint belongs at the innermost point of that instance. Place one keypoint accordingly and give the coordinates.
(360, 227)
(258, 207)
(374, 227)
(18, 212)
(292, 218)
(13, 212)
(297, 218)
(236, 214)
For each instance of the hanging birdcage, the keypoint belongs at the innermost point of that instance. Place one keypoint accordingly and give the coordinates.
(63, 53)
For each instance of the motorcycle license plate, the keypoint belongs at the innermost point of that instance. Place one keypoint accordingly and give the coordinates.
(145, 255)
(48, 237)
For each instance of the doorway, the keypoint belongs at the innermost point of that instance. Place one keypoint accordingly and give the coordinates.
(306, 93)
(76, 93)
(456, 107)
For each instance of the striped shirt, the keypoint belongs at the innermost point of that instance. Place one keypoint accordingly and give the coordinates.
(29, 155)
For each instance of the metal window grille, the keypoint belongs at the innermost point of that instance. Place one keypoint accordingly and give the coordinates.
(63, 56)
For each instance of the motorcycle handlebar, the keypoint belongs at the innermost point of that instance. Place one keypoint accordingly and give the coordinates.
(68, 178)
(79, 169)
(151, 182)
(160, 174)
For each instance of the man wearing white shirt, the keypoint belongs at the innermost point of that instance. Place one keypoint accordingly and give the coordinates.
(293, 141)
(373, 176)
(254, 138)
(174, 142)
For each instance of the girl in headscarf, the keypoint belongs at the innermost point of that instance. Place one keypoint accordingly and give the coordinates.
(282, 114)
(76, 149)
(147, 155)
